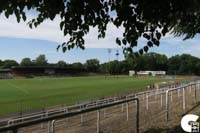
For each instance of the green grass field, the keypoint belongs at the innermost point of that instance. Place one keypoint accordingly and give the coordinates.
(37, 93)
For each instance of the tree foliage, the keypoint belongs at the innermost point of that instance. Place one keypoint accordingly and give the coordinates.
(149, 19)
(184, 64)
(77, 65)
(115, 67)
(41, 60)
(61, 64)
(26, 62)
(9, 64)
(92, 65)
(1, 62)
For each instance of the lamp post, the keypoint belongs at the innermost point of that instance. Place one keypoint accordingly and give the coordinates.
(109, 52)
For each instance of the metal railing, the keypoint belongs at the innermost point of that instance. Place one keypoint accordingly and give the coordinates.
(15, 127)
(50, 112)
(184, 99)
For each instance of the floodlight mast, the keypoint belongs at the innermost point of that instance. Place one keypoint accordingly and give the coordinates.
(109, 52)
(117, 55)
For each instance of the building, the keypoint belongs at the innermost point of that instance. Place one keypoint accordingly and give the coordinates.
(131, 73)
(151, 73)
(32, 71)
(5, 74)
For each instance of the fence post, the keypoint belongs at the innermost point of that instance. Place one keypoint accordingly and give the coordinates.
(161, 101)
(156, 94)
(171, 96)
(98, 120)
(49, 127)
(167, 106)
(184, 99)
(53, 126)
(122, 107)
(178, 93)
(127, 111)
(104, 113)
(9, 123)
(147, 103)
(195, 93)
(137, 116)
(81, 118)
(81, 115)
(66, 111)
(42, 125)
(143, 96)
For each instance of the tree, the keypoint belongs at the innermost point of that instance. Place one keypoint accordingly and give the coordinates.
(130, 62)
(155, 61)
(162, 61)
(104, 68)
(41, 60)
(92, 65)
(149, 19)
(61, 64)
(197, 66)
(26, 62)
(115, 67)
(184, 64)
(173, 64)
(78, 66)
(1, 63)
(9, 64)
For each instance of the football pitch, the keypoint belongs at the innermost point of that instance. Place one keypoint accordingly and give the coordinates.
(38, 93)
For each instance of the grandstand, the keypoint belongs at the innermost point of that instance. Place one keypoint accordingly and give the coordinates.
(5, 74)
(32, 71)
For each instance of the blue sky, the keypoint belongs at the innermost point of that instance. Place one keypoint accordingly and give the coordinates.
(18, 48)
(18, 41)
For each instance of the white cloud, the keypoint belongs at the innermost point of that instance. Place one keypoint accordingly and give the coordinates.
(176, 45)
(46, 31)
(50, 30)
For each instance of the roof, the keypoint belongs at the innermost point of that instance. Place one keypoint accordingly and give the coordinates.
(153, 72)
(5, 70)
(41, 67)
